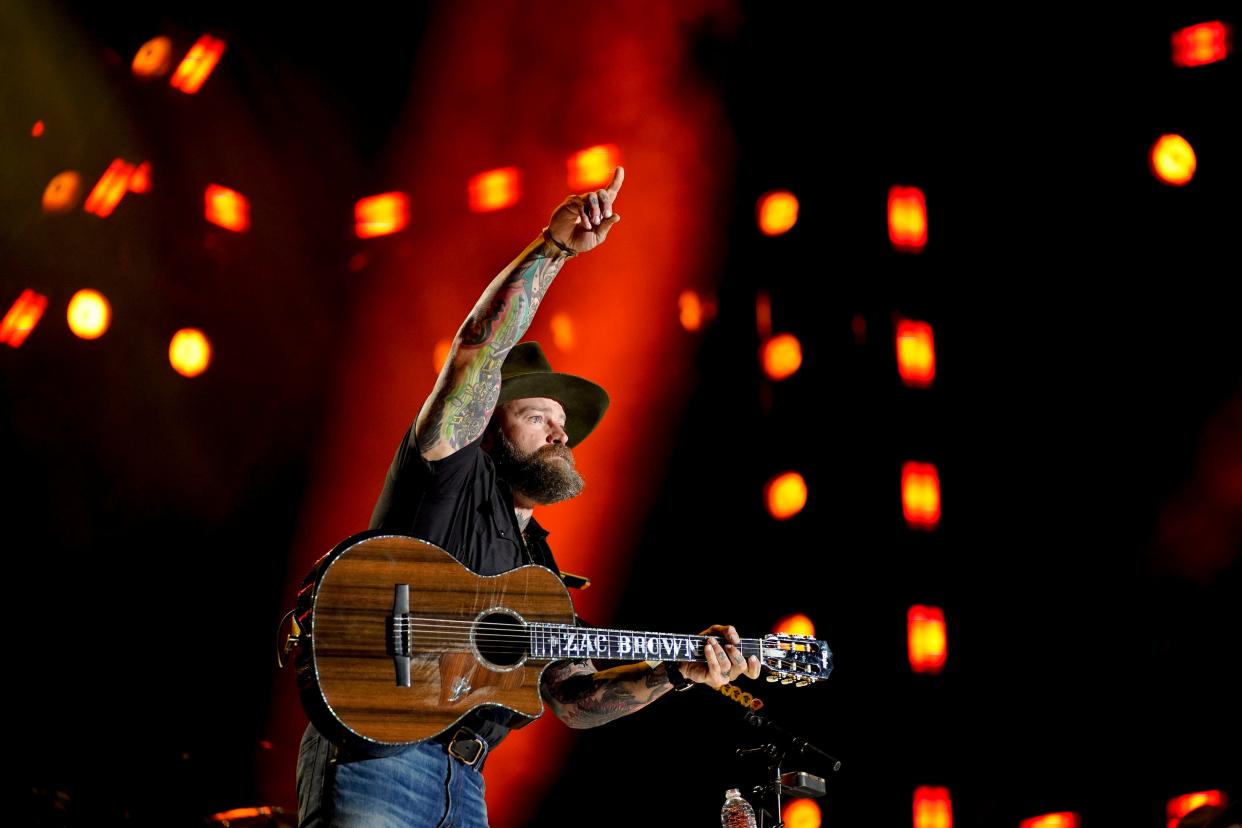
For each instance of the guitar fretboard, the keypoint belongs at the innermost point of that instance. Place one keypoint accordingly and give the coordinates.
(565, 641)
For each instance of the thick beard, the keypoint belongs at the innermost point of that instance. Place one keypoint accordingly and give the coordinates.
(537, 476)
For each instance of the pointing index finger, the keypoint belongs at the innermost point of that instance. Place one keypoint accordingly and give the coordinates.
(618, 177)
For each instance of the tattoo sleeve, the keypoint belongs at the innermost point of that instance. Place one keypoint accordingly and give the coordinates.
(582, 697)
(465, 395)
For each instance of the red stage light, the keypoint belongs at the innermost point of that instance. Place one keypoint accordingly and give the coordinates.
(1179, 806)
(907, 219)
(37, 129)
(1173, 160)
(227, 208)
(920, 495)
(189, 352)
(916, 353)
(1202, 43)
(932, 808)
(197, 65)
(1065, 819)
(592, 168)
(111, 188)
(781, 356)
(797, 624)
(154, 58)
(494, 190)
(777, 212)
(802, 813)
(89, 314)
(785, 495)
(62, 192)
(381, 215)
(926, 638)
(140, 181)
(22, 318)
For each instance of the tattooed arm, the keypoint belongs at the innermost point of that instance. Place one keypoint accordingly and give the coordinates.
(581, 697)
(465, 394)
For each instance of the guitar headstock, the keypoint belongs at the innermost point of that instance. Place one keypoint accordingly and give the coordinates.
(795, 659)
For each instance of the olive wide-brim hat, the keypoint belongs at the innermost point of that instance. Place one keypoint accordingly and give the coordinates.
(527, 373)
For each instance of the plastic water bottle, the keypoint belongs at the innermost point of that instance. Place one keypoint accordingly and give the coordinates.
(736, 812)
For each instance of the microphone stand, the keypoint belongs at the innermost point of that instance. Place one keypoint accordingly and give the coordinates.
(776, 754)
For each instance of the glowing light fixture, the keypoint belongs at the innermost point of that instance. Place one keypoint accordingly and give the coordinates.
(89, 314)
(785, 495)
(920, 495)
(381, 215)
(916, 354)
(227, 208)
(592, 168)
(22, 318)
(197, 65)
(1173, 160)
(189, 353)
(495, 190)
(907, 219)
(777, 212)
(926, 638)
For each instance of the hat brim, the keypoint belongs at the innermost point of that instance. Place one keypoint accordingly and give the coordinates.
(584, 401)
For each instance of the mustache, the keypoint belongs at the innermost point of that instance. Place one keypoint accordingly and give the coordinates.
(555, 450)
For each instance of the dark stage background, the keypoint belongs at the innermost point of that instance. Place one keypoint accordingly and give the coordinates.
(1086, 417)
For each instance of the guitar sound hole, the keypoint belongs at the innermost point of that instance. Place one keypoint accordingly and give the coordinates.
(500, 639)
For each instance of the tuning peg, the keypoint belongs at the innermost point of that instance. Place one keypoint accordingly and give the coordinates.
(804, 682)
(787, 679)
(772, 677)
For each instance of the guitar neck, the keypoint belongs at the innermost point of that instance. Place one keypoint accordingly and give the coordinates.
(566, 641)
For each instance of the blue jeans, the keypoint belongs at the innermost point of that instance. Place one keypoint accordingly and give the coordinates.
(421, 786)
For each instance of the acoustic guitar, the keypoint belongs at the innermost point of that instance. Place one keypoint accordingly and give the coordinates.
(397, 641)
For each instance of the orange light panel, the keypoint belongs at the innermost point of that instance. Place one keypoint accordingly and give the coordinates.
(927, 639)
(796, 624)
(781, 356)
(89, 314)
(197, 65)
(22, 318)
(916, 354)
(785, 495)
(907, 219)
(920, 495)
(381, 215)
(1173, 160)
(690, 310)
(563, 331)
(37, 129)
(777, 212)
(140, 181)
(763, 315)
(592, 168)
(932, 808)
(495, 190)
(1201, 44)
(1179, 806)
(111, 188)
(154, 58)
(802, 813)
(440, 354)
(62, 193)
(189, 353)
(227, 208)
(1065, 819)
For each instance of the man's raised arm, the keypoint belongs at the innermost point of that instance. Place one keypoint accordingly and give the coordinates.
(465, 394)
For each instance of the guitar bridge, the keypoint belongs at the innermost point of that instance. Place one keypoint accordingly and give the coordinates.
(399, 646)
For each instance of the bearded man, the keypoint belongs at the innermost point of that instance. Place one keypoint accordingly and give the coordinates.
(493, 441)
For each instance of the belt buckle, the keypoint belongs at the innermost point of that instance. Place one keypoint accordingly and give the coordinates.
(465, 737)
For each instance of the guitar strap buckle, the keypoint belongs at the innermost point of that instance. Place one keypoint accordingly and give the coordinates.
(467, 747)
